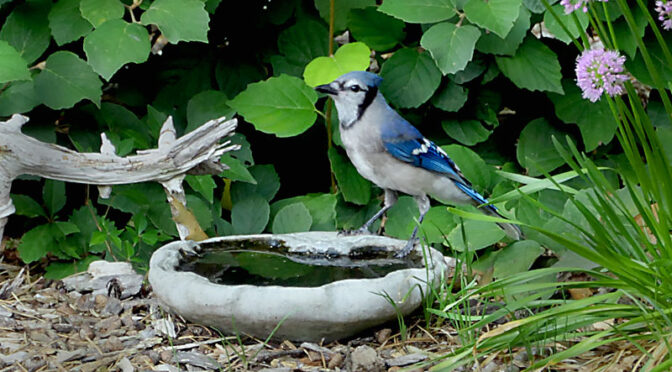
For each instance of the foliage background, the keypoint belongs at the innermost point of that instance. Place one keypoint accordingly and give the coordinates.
(471, 75)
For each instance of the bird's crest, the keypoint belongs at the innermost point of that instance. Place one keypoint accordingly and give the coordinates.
(368, 78)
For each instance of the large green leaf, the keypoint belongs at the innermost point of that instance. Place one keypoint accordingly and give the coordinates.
(100, 11)
(493, 44)
(493, 15)
(353, 186)
(410, 78)
(66, 22)
(477, 234)
(436, 226)
(115, 43)
(401, 218)
(36, 243)
(568, 20)
(451, 98)
(179, 20)
(250, 215)
(27, 206)
(473, 167)
(534, 67)
(19, 97)
(205, 106)
(26, 29)
(322, 208)
(638, 68)
(535, 147)
(66, 80)
(595, 120)
(233, 77)
(341, 10)
(516, 258)
(451, 46)
(266, 185)
(237, 171)
(53, 194)
(349, 57)
(627, 40)
(302, 43)
(204, 185)
(377, 30)
(292, 218)
(282, 105)
(469, 132)
(419, 11)
(12, 66)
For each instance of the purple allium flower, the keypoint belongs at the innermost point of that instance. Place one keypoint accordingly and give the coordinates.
(599, 71)
(664, 10)
(572, 5)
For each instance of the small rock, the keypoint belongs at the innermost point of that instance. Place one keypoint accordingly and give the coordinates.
(63, 356)
(154, 356)
(17, 357)
(110, 324)
(86, 333)
(127, 321)
(167, 368)
(164, 326)
(364, 358)
(62, 327)
(85, 303)
(196, 359)
(4, 312)
(100, 301)
(383, 335)
(405, 360)
(113, 306)
(335, 361)
(166, 356)
(9, 323)
(125, 365)
(112, 344)
(34, 363)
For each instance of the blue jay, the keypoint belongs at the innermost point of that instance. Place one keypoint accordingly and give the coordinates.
(390, 152)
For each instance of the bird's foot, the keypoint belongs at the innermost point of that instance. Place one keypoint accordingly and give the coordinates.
(361, 231)
(407, 248)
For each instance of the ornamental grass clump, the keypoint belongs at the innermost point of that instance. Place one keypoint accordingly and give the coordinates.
(599, 71)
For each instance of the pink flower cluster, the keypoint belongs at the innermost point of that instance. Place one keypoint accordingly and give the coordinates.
(572, 5)
(664, 10)
(599, 71)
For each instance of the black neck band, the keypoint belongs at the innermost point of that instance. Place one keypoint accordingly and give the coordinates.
(368, 98)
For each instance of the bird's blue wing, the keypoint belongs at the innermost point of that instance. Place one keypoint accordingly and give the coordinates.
(423, 153)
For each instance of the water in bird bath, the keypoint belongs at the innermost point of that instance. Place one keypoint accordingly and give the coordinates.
(265, 262)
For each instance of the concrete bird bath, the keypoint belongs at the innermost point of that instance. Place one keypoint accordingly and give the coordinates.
(307, 309)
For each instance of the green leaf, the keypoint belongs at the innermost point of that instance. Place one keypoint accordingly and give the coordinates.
(452, 47)
(237, 171)
(205, 106)
(65, 228)
(349, 57)
(436, 226)
(493, 44)
(401, 218)
(469, 132)
(322, 208)
(36, 243)
(419, 11)
(292, 218)
(123, 123)
(66, 22)
(27, 30)
(204, 185)
(282, 105)
(267, 184)
(303, 42)
(100, 11)
(479, 234)
(493, 15)
(66, 80)
(201, 211)
(27, 206)
(233, 78)
(451, 98)
(516, 258)
(375, 29)
(638, 68)
(341, 10)
(534, 67)
(410, 78)
(627, 40)
(12, 66)
(595, 120)
(567, 19)
(179, 20)
(53, 194)
(114, 44)
(353, 186)
(20, 97)
(535, 147)
(250, 215)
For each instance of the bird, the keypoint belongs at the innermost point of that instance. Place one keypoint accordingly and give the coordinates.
(391, 153)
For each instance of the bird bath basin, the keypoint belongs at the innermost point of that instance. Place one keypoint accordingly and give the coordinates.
(316, 285)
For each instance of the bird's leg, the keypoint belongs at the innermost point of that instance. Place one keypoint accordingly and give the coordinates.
(423, 206)
(390, 200)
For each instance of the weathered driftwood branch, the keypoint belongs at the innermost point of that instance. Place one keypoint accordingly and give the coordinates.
(197, 152)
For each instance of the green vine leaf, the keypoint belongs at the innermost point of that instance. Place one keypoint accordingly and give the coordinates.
(179, 20)
(493, 15)
(115, 43)
(282, 105)
(66, 22)
(451, 46)
(534, 67)
(349, 57)
(419, 11)
(100, 11)
(66, 80)
(12, 66)
(409, 78)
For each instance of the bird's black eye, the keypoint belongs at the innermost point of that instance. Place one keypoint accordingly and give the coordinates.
(355, 88)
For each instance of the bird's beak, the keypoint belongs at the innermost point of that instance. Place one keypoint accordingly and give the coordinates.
(326, 88)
